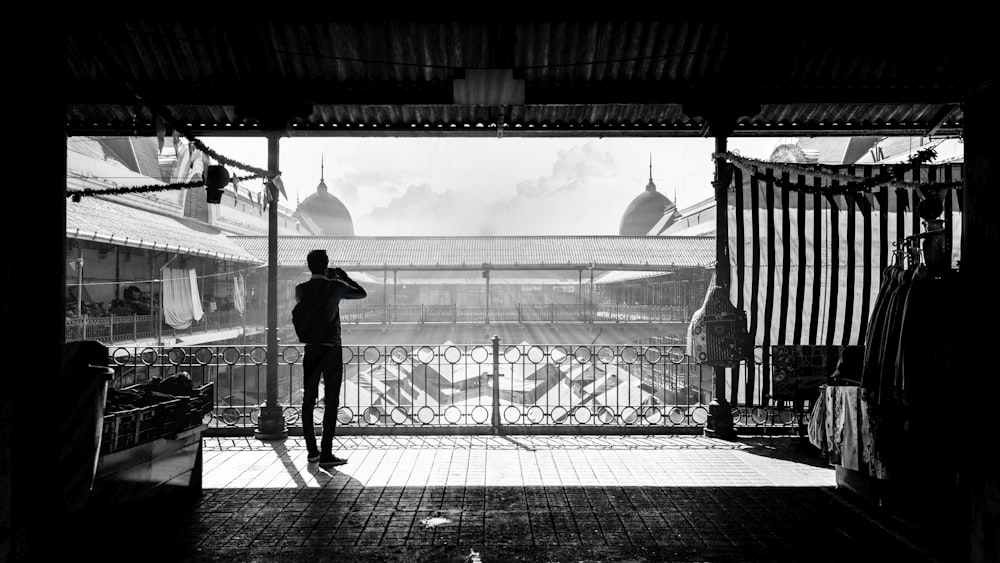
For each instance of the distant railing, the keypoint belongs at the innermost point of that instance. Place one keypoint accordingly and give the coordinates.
(461, 387)
(113, 330)
(359, 313)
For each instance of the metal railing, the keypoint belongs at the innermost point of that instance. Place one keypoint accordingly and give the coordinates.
(461, 387)
(357, 313)
(113, 330)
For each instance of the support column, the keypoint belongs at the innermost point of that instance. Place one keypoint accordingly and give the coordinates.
(31, 476)
(720, 413)
(979, 483)
(271, 425)
(486, 274)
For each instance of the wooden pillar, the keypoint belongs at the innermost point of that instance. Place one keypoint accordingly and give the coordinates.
(977, 475)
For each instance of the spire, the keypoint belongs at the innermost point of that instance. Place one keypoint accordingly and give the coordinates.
(322, 184)
(650, 187)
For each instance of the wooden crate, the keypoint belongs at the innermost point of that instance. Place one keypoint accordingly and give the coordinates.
(202, 403)
(121, 429)
(168, 417)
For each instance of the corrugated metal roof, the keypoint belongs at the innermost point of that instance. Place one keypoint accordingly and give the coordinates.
(472, 253)
(596, 75)
(95, 219)
(622, 276)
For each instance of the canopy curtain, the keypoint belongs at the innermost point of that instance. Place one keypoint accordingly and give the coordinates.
(181, 300)
(806, 265)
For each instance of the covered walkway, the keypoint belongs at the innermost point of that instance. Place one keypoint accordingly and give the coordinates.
(524, 498)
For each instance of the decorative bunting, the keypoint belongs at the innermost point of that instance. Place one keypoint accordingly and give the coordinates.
(77, 194)
(890, 175)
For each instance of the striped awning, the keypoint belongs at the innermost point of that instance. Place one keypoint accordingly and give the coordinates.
(806, 267)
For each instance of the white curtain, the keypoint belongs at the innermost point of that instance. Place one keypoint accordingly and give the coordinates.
(181, 301)
(239, 292)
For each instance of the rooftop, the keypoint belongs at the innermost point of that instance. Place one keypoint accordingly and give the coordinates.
(496, 252)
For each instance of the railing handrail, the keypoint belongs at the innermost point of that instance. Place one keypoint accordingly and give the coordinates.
(456, 385)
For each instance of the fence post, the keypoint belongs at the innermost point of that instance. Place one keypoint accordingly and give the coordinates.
(496, 386)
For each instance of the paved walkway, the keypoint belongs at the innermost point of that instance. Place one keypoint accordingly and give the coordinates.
(520, 498)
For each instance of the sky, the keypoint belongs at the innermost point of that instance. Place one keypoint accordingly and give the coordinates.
(488, 186)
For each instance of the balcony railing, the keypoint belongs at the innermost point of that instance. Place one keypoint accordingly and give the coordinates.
(520, 313)
(460, 387)
(113, 330)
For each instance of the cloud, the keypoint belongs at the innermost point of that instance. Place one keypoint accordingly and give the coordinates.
(572, 199)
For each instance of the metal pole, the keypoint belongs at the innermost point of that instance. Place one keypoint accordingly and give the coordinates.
(79, 280)
(720, 418)
(271, 424)
(496, 385)
(591, 294)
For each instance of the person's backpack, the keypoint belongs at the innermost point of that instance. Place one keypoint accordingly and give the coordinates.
(309, 322)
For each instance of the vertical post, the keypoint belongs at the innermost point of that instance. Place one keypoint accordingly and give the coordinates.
(496, 385)
(79, 280)
(486, 274)
(385, 295)
(591, 293)
(720, 414)
(271, 424)
(395, 303)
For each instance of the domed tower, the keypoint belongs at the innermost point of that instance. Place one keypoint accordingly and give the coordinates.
(648, 210)
(326, 211)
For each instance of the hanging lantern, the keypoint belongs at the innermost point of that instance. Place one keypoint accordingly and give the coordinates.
(216, 178)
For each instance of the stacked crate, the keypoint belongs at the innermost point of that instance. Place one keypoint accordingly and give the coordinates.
(164, 419)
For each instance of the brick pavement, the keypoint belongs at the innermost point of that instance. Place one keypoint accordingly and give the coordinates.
(518, 498)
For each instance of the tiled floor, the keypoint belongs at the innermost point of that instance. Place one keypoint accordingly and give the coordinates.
(519, 498)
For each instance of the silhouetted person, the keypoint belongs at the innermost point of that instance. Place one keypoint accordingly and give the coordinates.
(317, 323)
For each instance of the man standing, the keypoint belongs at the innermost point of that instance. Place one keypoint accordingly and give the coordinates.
(316, 317)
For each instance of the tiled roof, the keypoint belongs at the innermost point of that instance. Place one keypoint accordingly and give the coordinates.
(96, 219)
(499, 252)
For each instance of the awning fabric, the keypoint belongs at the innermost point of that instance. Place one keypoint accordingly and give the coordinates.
(807, 266)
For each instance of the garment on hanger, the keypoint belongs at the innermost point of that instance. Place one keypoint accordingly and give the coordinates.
(876, 327)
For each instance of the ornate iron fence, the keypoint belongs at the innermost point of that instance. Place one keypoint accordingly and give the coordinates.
(460, 386)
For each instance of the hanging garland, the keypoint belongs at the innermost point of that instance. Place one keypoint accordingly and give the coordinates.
(890, 176)
(162, 113)
(77, 194)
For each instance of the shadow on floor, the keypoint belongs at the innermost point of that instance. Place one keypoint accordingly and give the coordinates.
(787, 448)
(344, 521)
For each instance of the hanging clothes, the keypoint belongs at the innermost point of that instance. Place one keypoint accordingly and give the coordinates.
(870, 367)
(181, 300)
(239, 293)
(717, 334)
(889, 343)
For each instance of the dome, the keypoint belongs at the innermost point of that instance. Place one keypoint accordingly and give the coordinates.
(328, 212)
(646, 211)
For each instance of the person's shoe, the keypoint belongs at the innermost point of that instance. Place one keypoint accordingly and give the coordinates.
(327, 461)
(313, 457)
